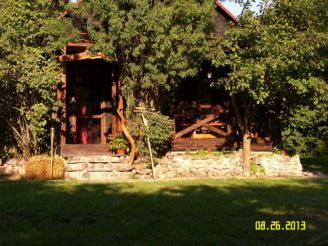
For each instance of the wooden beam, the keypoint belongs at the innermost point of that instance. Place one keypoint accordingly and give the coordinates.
(85, 44)
(195, 126)
(81, 56)
(216, 130)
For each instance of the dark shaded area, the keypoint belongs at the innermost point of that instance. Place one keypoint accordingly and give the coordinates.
(209, 212)
(315, 164)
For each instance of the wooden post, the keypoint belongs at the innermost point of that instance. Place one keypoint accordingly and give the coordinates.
(61, 95)
(114, 100)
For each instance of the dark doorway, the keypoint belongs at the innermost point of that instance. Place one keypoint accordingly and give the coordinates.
(89, 102)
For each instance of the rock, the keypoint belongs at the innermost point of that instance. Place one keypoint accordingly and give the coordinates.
(236, 173)
(2, 169)
(99, 166)
(12, 162)
(123, 168)
(307, 174)
(85, 166)
(22, 162)
(9, 170)
(148, 171)
(170, 175)
(140, 166)
(164, 161)
(85, 175)
(125, 175)
(114, 175)
(246, 174)
(139, 176)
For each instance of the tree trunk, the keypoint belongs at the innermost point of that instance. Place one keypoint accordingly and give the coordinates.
(125, 131)
(246, 150)
(244, 127)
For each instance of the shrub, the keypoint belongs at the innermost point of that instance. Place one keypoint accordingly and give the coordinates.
(39, 167)
(160, 134)
(118, 142)
(256, 169)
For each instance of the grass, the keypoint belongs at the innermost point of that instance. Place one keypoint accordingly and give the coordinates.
(203, 212)
(318, 163)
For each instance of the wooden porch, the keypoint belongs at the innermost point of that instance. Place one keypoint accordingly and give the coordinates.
(210, 131)
(71, 150)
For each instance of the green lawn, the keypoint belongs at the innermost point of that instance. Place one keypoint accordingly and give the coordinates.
(319, 163)
(204, 212)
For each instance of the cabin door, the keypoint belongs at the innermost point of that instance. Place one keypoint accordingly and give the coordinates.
(89, 102)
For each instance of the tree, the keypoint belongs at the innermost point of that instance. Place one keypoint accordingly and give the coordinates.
(154, 43)
(278, 62)
(31, 34)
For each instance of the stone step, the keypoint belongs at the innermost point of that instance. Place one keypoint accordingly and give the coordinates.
(85, 175)
(94, 159)
(99, 167)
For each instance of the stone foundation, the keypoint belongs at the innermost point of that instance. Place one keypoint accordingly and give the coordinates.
(176, 165)
(173, 165)
(182, 165)
(13, 169)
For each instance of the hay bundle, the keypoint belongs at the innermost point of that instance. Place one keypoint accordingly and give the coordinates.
(39, 167)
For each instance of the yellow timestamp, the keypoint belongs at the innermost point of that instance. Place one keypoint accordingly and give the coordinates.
(292, 225)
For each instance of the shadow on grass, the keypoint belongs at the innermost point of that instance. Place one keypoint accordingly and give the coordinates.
(315, 164)
(208, 212)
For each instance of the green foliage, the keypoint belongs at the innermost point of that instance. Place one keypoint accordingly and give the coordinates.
(279, 63)
(160, 133)
(31, 34)
(201, 153)
(155, 43)
(118, 142)
(315, 164)
(256, 168)
(204, 153)
(306, 131)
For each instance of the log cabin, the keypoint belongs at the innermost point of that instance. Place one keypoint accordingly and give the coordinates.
(88, 93)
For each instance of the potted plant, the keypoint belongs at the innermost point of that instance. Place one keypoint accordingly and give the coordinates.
(118, 144)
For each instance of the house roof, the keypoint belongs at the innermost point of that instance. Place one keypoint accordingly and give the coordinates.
(226, 11)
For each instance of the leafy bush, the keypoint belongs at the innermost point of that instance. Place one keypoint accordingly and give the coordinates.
(160, 133)
(118, 142)
(306, 132)
(39, 167)
(256, 168)
(31, 34)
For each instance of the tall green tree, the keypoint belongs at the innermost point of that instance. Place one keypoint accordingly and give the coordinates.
(278, 62)
(154, 43)
(31, 34)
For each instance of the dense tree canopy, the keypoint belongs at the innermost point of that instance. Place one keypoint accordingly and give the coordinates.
(31, 34)
(154, 42)
(278, 61)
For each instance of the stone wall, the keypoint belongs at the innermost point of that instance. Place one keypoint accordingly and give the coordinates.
(13, 169)
(173, 165)
(227, 165)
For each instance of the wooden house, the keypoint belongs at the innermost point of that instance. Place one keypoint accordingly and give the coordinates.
(88, 93)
